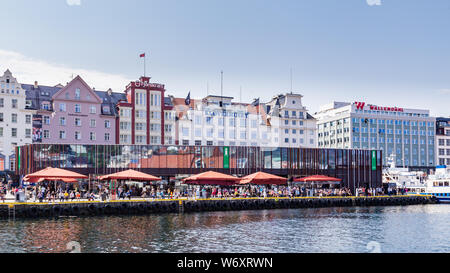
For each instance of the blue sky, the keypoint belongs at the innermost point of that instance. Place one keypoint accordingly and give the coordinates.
(392, 53)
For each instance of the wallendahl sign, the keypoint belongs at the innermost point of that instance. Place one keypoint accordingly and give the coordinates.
(361, 105)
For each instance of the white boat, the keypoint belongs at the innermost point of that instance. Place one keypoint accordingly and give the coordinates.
(401, 178)
(439, 184)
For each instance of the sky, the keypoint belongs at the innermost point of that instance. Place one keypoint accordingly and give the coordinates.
(383, 52)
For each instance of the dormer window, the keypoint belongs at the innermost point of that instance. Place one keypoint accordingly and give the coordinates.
(106, 109)
(77, 94)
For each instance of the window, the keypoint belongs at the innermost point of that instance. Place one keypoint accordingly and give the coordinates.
(46, 134)
(198, 132)
(77, 122)
(232, 134)
(198, 143)
(221, 133)
(1, 117)
(106, 136)
(185, 142)
(62, 121)
(232, 122)
(14, 103)
(93, 123)
(1, 131)
(221, 123)
(209, 120)
(243, 135)
(93, 110)
(77, 108)
(185, 131)
(77, 135)
(77, 94)
(28, 119)
(62, 134)
(27, 133)
(107, 124)
(92, 136)
(62, 107)
(140, 126)
(46, 120)
(14, 132)
(14, 118)
(2, 102)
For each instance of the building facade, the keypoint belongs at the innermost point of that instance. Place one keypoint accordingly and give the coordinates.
(356, 168)
(142, 118)
(443, 141)
(15, 120)
(73, 114)
(407, 134)
(217, 120)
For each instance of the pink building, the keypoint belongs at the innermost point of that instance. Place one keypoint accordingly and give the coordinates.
(74, 114)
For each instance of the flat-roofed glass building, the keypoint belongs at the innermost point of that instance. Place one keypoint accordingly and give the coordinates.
(356, 168)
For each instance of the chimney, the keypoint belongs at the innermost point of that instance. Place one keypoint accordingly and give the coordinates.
(35, 84)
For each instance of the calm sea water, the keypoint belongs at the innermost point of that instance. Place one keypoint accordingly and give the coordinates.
(423, 228)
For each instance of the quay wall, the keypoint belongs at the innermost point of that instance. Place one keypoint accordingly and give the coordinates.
(140, 207)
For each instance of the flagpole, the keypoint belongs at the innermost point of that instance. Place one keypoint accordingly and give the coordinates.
(145, 57)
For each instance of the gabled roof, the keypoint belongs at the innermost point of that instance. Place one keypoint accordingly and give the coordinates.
(78, 78)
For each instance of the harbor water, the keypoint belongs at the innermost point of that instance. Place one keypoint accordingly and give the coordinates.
(417, 228)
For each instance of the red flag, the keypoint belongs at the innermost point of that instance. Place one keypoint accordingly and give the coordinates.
(142, 55)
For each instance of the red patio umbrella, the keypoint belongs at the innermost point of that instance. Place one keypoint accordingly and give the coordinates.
(130, 175)
(212, 178)
(319, 178)
(262, 178)
(55, 174)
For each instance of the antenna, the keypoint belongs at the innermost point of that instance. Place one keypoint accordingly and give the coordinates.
(240, 94)
(207, 88)
(291, 80)
(221, 88)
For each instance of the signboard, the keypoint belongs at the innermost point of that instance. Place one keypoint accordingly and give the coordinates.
(226, 157)
(361, 106)
(37, 129)
(374, 160)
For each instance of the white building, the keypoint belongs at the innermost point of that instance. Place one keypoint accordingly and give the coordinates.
(217, 120)
(15, 120)
(443, 141)
(408, 134)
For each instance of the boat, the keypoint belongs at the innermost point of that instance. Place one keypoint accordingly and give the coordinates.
(438, 184)
(413, 182)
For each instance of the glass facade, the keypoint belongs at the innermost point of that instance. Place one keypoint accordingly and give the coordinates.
(353, 166)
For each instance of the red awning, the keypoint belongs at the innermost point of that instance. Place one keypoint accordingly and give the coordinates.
(318, 178)
(262, 178)
(55, 174)
(212, 178)
(130, 175)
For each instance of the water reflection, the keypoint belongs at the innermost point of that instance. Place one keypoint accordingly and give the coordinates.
(397, 229)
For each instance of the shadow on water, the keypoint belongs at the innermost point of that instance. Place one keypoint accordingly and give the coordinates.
(344, 229)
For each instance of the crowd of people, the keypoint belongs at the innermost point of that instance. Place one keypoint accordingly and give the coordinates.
(62, 192)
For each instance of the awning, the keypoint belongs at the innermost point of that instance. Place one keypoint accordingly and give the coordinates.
(262, 178)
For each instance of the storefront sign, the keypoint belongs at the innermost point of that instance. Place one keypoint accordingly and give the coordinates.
(226, 157)
(374, 160)
(361, 105)
(225, 113)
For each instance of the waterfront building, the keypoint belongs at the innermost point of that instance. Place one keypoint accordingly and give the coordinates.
(356, 168)
(296, 127)
(217, 120)
(146, 117)
(73, 114)
(15, 120)
(443, 141)
(407, 134)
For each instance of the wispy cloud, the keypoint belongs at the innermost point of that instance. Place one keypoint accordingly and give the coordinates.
(373, 2)
(444, 91)
(28, 70)
(73, 2)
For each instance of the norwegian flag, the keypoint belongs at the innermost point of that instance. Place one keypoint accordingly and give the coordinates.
(142, 55)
